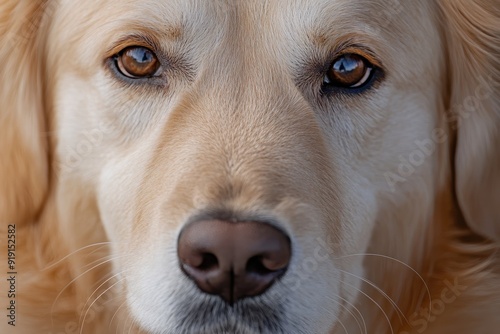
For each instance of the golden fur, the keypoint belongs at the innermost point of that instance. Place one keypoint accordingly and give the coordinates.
(99, 176)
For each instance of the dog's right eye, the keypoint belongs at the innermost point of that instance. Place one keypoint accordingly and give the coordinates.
(137, 62)
(349, 71)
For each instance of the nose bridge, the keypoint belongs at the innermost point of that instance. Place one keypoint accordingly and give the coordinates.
(244, 72)
(248, 130)
(256, 151)
(251, 129)
(244, 97)
(251, 98)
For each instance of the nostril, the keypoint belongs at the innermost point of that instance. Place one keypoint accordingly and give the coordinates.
(255, 265)
(208, 262)
(262, 266)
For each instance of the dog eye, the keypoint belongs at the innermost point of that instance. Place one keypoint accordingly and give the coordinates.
(349, 71)
(137, 62)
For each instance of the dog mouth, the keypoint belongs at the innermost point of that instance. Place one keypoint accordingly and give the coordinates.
(214, 316)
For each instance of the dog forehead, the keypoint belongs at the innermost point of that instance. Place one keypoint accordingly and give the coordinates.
(250, 16)
(293, 23)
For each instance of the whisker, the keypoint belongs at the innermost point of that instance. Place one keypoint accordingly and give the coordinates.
(110, 256)
(79, 276)
(115, 314)
(88, 309)
(371, 299)
(96, 250)
(132, 324)
(404, 264)
(74, 252)
(393, 303)
(361, 329)
(126, 323)
(97, 289)
(343, 326)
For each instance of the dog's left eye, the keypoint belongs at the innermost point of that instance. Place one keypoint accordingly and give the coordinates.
(349, 71)
(137, 62)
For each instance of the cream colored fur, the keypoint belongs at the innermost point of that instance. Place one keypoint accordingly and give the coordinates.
(391, 197)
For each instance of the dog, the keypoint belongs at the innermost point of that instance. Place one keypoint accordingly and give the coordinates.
(304, 167)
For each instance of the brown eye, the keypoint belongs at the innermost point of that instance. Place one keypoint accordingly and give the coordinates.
(138, 62)
(349, 71)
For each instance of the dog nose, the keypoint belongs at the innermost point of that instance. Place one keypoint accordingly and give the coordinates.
(233, 259)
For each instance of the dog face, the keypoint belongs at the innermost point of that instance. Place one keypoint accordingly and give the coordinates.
(321, 120)
(238, 117)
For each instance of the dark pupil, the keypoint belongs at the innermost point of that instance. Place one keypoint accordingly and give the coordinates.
(141, 56)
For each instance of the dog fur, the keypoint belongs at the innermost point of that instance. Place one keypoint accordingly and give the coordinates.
(391, 197)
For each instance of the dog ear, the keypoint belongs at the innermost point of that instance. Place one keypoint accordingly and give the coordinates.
(24, 171)
(472, 31)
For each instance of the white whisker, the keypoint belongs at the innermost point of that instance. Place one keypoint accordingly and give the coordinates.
(393, 303)
(404, 264)
(76, 278)
(371, 299)
(88, 309)
(115, 314)
(97, 289)
(362, 329)
(74, 252)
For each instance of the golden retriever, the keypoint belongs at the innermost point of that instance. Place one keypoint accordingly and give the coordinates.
(285, 166)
